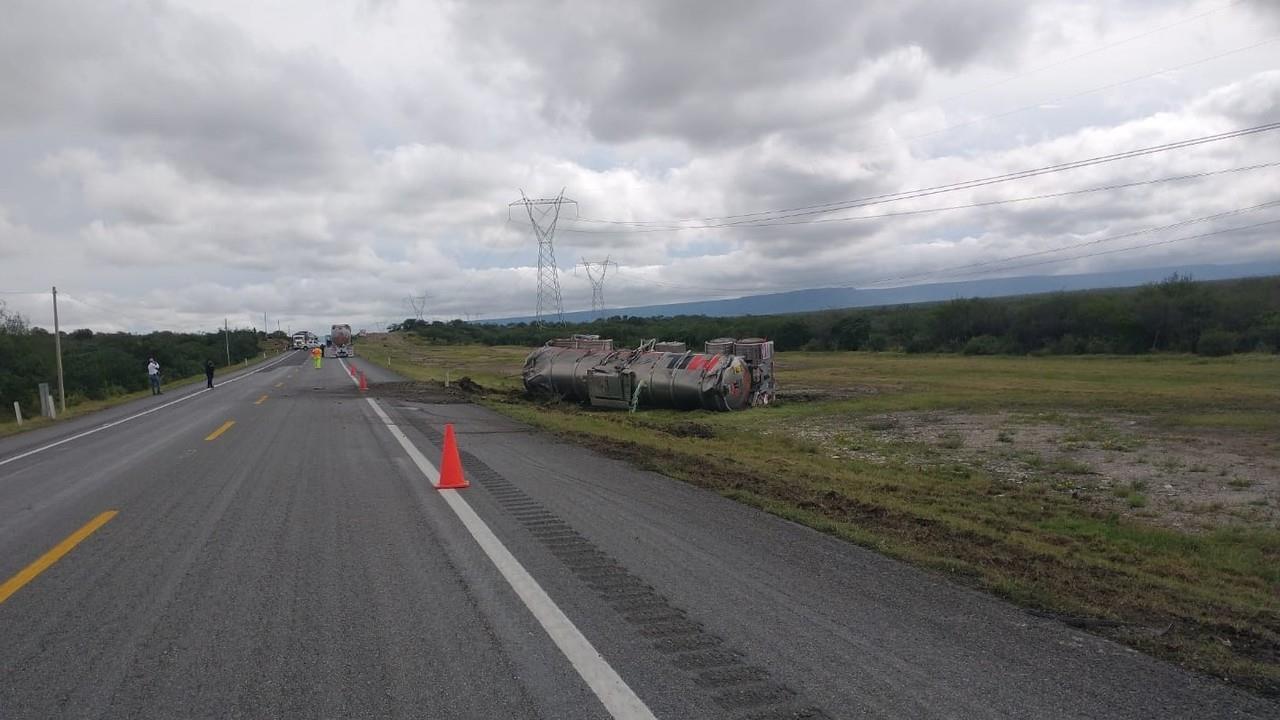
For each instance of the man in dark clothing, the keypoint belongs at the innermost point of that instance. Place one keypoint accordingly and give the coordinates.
(208, 373)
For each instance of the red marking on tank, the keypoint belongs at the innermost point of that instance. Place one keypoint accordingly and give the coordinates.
(695, 363)
(713, 361)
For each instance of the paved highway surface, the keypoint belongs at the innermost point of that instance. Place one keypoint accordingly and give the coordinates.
(297, 563)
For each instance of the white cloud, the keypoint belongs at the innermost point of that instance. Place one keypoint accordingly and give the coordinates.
(178, 163)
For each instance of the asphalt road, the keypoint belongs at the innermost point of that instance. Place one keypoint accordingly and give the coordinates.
(300, 565)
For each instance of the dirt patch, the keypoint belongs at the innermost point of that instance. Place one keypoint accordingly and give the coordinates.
(426, 391)
(1191, 480)
(690, 429)
(789, 394)
(1152, 629)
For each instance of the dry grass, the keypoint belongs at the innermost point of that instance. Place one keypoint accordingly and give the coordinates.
(1208, 599)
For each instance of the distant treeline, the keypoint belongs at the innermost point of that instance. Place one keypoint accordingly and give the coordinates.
(100, 365)
(1175, 315)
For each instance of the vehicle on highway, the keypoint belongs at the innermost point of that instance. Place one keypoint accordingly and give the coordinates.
(340, 341)
(304, 339)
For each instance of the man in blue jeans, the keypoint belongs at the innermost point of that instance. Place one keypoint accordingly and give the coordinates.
(153, 374)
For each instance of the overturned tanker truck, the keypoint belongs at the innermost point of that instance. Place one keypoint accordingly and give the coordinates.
(728, 375)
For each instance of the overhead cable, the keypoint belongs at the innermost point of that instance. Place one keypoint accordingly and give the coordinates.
(823, 208)
(964, 206)
(986, 263)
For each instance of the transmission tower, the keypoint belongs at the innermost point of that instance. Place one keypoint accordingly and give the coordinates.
(418, 304)
(596, 270)
(544, 213)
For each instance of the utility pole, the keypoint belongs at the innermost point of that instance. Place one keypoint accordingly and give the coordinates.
(544, 228)
(226, 336)
(596, 270)
(57, 347)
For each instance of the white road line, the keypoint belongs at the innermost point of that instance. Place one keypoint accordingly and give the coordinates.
(347, 370)
(121, 421)
(618, 698)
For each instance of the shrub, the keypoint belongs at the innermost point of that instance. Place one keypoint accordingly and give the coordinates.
(1216, 343)
(985, 345)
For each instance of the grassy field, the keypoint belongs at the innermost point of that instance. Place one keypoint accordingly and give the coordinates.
(9, 424)
(1134, 497)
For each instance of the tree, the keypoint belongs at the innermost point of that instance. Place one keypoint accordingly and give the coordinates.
(11, 322)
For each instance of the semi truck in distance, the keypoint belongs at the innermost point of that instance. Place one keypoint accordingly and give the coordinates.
(304, 339)
(340, 341)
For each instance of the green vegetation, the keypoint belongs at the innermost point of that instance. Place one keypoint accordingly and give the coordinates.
(101, 366)
(1177, 315)
(1209, 599)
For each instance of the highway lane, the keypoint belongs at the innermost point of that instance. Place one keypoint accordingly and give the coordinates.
(283, 569)
(298, 565)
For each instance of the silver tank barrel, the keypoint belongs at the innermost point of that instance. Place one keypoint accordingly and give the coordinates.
(654, 379)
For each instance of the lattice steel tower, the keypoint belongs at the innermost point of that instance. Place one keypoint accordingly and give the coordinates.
(596, 270)
(544, 227)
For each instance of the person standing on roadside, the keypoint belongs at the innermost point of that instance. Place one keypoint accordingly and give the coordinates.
(208, 373)
(317, 356)
(153, 376)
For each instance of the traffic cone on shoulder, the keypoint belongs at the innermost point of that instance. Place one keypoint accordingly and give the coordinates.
(364, 382)
(451, 477)
(352, 369)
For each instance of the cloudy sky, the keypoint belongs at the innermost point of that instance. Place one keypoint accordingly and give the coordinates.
(169, 163)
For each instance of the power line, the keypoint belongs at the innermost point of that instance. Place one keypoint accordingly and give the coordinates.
(987, 263)
(1087, 243)
(823, 208)
(948, 208)
(1135, 247)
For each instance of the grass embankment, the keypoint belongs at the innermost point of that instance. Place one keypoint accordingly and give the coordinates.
(9, 425)
(1209, 600)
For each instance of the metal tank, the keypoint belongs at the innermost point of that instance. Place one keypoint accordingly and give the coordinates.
(582, 342)
(753, 349)
(758, 355)
(719, 346)
(670, 346)
(637, 378)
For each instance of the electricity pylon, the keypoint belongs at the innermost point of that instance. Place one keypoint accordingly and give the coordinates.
(596, 271)
(544, 227)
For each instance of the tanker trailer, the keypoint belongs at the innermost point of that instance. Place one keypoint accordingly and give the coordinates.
(340, 341)
(639, 378)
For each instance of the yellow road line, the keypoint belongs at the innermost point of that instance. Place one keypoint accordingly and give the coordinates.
(225, 427)
(260, 400)
(29, 573)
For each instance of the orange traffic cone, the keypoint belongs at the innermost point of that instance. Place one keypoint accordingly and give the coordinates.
(450, 464)
(352, 369)
(364, 382)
